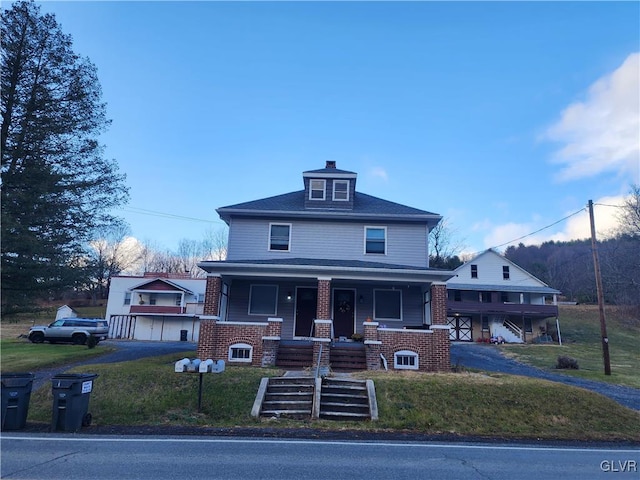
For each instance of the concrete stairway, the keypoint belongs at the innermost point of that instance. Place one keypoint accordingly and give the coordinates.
(346, 399)
(285, 397)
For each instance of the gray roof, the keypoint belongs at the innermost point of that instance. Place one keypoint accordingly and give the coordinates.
(330, 171)
(337, 269)
(293, 204)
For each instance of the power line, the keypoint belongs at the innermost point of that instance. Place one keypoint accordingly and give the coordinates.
(540, 229)
(154, 213)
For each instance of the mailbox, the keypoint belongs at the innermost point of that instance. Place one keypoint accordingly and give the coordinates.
(218, 366)
(205, 367)
(193, 365)
(181, 365)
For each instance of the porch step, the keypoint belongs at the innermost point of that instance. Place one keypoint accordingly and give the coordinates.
(295, 356)
(288, 397)
(346, 358)
(344, 399)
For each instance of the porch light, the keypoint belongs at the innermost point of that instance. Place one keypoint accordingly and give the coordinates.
(289, 296)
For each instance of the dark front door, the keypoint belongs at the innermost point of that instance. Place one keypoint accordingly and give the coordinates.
(343, 312)
(306, 311)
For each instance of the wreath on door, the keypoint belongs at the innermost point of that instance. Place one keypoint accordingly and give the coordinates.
(344, 306)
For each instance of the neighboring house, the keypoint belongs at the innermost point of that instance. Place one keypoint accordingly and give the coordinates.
(65, 311)
(307, 269)
(157, 306)
(492, 296)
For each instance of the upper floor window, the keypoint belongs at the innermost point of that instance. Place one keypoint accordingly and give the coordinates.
(201, 298)
(153, 299)
(279, 236)
(127, 298)
(341, 190)
(505, 272)
(317, 189)
(263, 300)
(375, 240)
(474, 271)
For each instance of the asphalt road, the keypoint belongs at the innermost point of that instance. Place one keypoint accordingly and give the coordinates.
(80, 457)
(489, 358)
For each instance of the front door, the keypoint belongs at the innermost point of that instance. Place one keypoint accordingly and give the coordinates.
(343, 312)
(306, 311)
(460, 329)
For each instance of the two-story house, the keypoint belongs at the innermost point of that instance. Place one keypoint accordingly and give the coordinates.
(490, 296)
(156, 306)
(320, 267)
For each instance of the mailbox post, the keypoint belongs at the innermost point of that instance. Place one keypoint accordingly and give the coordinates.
(198, 366)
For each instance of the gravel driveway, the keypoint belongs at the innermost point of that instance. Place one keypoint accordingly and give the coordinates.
(489, 358)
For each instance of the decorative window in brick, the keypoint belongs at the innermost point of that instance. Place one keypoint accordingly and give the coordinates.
(341, 190)
(263, 300)
(405, 360)
(127, 298)
(279, 236)
(240, 352)
(387, 305)
(474, 271)
(317, 189)
(375, 240)
(505, 272)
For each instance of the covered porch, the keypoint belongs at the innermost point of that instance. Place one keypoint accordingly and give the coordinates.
(327, 306)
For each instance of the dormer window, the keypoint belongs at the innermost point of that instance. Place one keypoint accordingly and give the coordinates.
(317, 189)
(341, 190)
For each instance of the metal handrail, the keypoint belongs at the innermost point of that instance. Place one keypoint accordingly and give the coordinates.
(319, 358)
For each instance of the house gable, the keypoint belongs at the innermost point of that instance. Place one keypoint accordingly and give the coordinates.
(160, 284)
(487, 271)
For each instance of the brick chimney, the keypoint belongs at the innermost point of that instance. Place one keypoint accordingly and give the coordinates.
(330, 164)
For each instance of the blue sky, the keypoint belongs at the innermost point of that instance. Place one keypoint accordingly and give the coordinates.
(503, 117)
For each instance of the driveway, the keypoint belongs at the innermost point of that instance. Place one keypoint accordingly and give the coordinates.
(489, 358)
(127, 350)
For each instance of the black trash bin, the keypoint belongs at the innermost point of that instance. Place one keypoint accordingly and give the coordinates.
(71, 393)
(183, 335)
(16, 393)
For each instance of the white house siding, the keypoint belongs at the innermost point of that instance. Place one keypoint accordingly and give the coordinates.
(406, 243)
(490, 272)
(151, 327)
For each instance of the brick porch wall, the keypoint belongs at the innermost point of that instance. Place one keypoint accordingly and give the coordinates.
(432, 347)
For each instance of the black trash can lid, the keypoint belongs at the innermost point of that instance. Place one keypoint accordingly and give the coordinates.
(16, 379)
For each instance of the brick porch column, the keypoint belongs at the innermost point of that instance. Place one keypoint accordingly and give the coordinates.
(372, 345)
(323, 311)
(271, 342)
(438, 304)
(441, 348)
(322, 337)
(208, 320)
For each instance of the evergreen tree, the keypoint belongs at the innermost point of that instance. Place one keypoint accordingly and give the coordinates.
(57, 187)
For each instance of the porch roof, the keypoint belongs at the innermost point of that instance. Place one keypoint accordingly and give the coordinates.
(502, 288)
(335, 269)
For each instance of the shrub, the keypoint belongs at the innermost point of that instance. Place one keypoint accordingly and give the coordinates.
(567, 363)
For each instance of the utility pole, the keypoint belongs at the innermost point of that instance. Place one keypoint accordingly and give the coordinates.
(596, 267)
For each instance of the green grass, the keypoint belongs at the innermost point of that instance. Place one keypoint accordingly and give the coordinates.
(580, 329)
(148, 392)
(20, 355)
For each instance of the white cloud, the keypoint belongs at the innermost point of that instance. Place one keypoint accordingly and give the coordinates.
(379, 172)
(602, 133)
(576, 227)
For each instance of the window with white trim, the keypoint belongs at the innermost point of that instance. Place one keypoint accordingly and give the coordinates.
(341, 190)
(279, 237)
(505, 272)
(317, 189)
(375, 240)
(240, 352)
(127, 298)
(201, 298)
(405, 360)
(387, 305)
(263, 300)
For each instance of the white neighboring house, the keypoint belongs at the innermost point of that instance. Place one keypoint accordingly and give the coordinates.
(65, 311)
(156, 306)
(490, 296)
